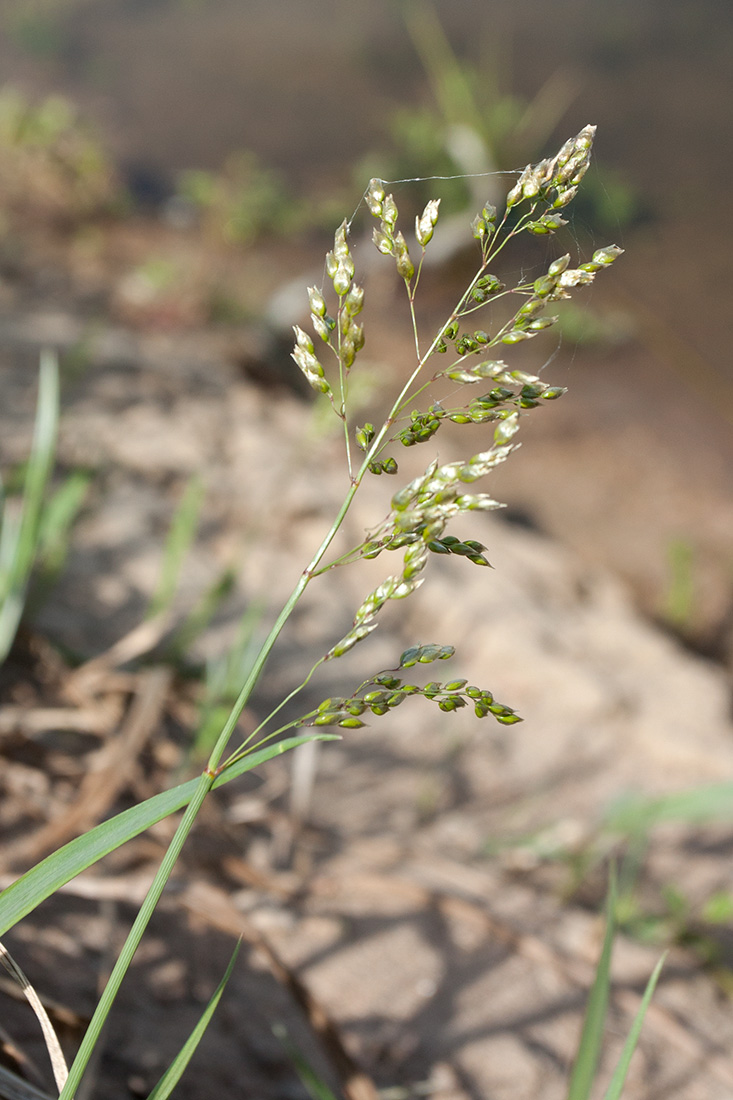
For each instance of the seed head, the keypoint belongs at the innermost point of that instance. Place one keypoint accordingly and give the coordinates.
(425, 224)
(375, 197)
(339, 265)
(389, 212)
(316, 302)
(405, 266)
(304, 355)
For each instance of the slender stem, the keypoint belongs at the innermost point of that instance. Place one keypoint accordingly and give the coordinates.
(245, 750)
(169, 859)
(518, 228)
(295, 595)
(417, 274)
(346, 559)
(413, 318)
(411, 292)
(135, 935)
(415, 394)
(271, 715)
(343, 382)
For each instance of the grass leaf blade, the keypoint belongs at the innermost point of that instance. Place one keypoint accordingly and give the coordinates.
(316, 1088)
(591, 1039)
(180, 539)
(23, 546)
(61, 866)
(622, 1068)
(173, 1074)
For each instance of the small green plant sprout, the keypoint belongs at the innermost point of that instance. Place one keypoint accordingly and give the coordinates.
(464, 352)
(583, 1077)
(35, 522)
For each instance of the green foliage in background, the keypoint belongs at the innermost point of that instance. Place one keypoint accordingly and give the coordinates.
(240, 202)
(35, 522)
(52, 167)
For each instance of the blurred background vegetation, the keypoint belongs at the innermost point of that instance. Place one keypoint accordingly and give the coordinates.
(177, 158)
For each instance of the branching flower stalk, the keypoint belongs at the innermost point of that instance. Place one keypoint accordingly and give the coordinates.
(420, 511)
(423, 508)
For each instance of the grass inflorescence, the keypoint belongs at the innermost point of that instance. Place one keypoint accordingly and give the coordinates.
(468, 350)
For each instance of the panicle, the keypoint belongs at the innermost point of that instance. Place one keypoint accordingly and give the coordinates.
(339, 264)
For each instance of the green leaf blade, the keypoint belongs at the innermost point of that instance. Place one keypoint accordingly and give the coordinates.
(316, 1088)
(180, 539)
(66, 863)
(591, 1039)
(622, 1068)
(173, 1074)
(20, 544)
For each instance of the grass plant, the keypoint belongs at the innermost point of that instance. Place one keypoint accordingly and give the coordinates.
(464, 354)
(22, 519)
(35, 521)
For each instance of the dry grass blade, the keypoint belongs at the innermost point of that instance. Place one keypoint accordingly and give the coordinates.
(58, 1062)
(99, 720)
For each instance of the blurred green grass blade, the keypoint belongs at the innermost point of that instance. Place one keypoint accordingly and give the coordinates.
(9, 537)
(173, 1074)
(20, 545)
(201, 614)
(622, 1068)
(700, 804)
(58, 516)
(224, 677)
(180, 537)
(679, 603)
(61, 866)
(448, 77)
(591, 1039)
(312, 1083)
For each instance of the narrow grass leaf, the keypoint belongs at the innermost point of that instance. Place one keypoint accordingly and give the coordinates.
(19, 551)
(173, 1074)
(9, 539)
(316, 1088)
(591, 1039)
(201, 614)
(58, 517)
(180, 537)
(698, 805)
(622, 1068)
(61, 866)
(224, 677)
